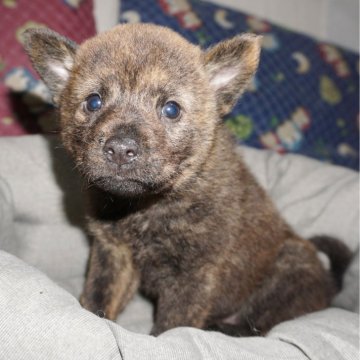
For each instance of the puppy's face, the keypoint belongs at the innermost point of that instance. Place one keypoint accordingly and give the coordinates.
(139, 104)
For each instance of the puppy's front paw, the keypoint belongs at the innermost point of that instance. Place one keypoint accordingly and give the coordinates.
(157, 330)
(83, 301)
(91, 306)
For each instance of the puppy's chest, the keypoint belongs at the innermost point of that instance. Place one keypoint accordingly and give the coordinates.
(165, 231)
(166, 240)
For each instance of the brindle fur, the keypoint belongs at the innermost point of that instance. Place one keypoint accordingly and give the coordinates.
(186, 222)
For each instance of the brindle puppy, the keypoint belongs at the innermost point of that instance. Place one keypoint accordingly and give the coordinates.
(173, 209)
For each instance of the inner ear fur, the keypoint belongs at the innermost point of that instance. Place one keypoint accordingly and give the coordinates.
(52, 56)
(230, 65)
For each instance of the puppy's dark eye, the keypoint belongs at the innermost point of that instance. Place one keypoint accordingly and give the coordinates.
(171, 110)
(93, 102)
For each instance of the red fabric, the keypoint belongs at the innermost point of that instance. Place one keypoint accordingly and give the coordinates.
(20, 112)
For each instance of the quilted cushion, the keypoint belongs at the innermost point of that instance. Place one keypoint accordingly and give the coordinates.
(305, 95)
(24, 100)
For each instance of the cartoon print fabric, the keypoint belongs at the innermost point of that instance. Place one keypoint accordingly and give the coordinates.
(24, 99)
(305, 95)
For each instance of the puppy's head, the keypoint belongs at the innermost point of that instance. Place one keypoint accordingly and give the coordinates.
(140, 105)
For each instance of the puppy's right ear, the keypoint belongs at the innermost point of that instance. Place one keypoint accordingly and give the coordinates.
(52, 55)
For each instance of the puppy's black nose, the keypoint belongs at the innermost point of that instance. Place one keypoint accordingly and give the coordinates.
(120, 150)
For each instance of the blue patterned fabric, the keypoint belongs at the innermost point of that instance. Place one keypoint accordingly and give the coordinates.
(305, 95)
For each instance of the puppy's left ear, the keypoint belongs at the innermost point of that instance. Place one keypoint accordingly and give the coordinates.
(52, 56)
(230, 66)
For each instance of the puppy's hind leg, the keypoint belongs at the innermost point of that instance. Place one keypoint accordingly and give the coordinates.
(296, 285)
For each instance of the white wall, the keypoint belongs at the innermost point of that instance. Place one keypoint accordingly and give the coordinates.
(343, 22)
(106, 13)
(333, 20)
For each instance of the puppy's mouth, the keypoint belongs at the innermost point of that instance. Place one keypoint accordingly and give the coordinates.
(143, 176)
(126, 186)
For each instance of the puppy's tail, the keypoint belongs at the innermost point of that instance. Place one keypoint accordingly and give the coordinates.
(339, 255)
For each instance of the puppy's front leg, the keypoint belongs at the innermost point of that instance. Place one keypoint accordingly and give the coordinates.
(111, 280)
(177, 307)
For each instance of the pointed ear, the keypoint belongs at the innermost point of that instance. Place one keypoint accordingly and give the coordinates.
(52, 56)
(230, 66)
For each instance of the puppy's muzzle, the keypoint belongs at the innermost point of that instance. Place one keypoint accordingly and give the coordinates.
(120, 151)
